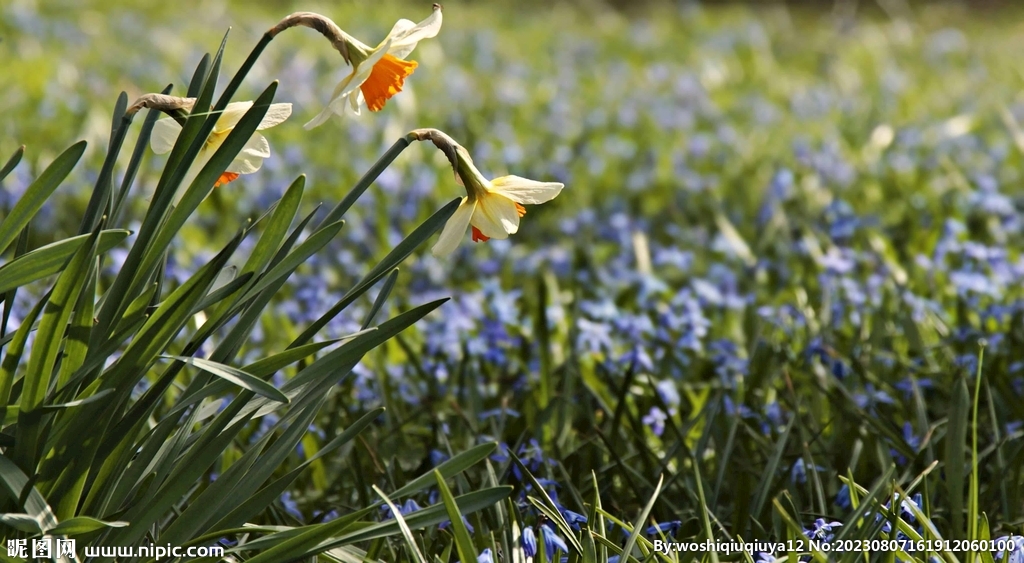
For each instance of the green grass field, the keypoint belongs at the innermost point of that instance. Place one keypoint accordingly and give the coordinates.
(778, 300)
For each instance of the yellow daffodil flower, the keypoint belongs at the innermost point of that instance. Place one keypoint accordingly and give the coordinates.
(378, 73)
(492, 207)
(249, 159)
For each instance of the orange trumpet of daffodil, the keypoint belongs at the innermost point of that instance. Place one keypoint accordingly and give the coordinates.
(378, 73)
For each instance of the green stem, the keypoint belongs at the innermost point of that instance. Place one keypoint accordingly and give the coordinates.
(376, 170)
(100, 200)
(974, 508)
(236, 80)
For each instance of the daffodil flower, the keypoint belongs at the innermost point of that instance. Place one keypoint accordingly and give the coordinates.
(249, 159)
(378, 73)
(492, 207)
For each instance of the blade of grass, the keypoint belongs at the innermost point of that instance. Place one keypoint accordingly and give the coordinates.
(448, 468)
(704, 509)
(13, 354)
(406, 532)
(463, 542)
(257, 501)
(18, 487)
(235, 376)
(770, 470)
(972, 496)
(141, 144)
(638, 524)
(956, 440)
(395, 257)
(43, 356)
(12, 162)
(378, 303)
(50, 259)
(100, 203)
(37, 193)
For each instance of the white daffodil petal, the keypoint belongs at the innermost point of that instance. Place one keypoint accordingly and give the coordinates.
(455, 229)
(165, 133)
(245, 164)
(338, 105)
(405, 40)
(257, 146)
(356, 102)
(332, 106)
(496, 216)
(276, 114)
(366, 66)
(522, 190)
(400, 28)
(343, 86)
(320, 118)
(231, 116)
(356, 80)
(346, 94)
(214, 141)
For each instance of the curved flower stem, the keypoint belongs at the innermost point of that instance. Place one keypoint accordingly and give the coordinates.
(322, 24)
(236, 80)
(173, 106)
(442, 141)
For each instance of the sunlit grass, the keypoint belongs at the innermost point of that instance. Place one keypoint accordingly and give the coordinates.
(759, 300)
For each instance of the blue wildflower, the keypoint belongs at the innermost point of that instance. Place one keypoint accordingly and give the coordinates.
(574, 519)
(906, 514)
(822, 530)
(437, 457)
(447, 523)
(905, 507)
(742, 410)
(1016, 553)
(912, 441)
(728, 364)
(970, 282)
(485, 556)
(290, 505)
(843, 497)
(529, 541)
(408, 507)
(667, 528)
(798, 473)
(637, 358)
(872, 397)
(552, 541)
(907, 385)
(327, 517)
(775, 415)
(498, 413)
(593, 336)
(531, 455)
(656, 420)
(668, 392)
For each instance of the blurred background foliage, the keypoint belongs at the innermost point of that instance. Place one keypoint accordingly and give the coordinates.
(774, 214)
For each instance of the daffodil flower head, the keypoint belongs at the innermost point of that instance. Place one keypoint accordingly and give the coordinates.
(378, 73)
(492, 208)
(249, 159)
